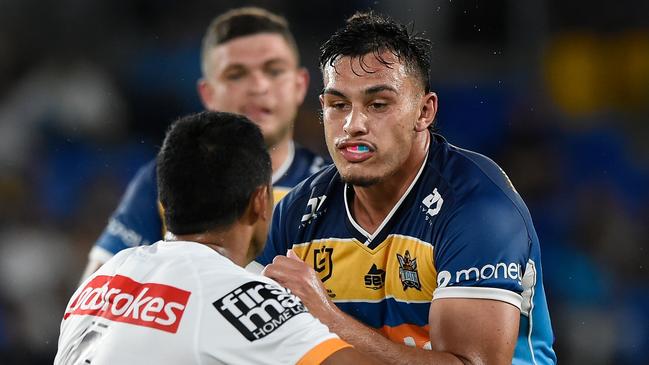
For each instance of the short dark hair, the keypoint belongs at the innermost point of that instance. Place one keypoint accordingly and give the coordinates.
(368, 32)
(208, 168)
(243, 22)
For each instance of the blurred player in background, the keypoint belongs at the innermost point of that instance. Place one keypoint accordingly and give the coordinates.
(251, 66)
(424, 242)
(188, 299)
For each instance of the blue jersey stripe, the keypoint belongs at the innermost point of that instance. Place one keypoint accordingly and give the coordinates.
(387, 312)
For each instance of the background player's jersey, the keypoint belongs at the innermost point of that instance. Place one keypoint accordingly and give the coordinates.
(183, 303)
(460, 231)
(138, 218)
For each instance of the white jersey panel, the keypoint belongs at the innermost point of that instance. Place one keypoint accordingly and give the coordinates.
(182, 302)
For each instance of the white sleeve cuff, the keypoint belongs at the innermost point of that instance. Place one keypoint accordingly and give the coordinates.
(479, 293)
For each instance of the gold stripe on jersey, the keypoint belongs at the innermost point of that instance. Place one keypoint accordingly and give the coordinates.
(401, 267)
(279, 193)
(161, 212)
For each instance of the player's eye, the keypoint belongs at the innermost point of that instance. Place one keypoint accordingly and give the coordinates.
(235, 75)
(275, 71)
(378, 106)
(338, 105)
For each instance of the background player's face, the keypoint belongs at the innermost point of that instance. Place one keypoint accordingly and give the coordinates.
(370, 113)
(257, 76)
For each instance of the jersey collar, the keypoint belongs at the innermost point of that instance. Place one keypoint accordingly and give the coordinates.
(370, 240)
(287, 163)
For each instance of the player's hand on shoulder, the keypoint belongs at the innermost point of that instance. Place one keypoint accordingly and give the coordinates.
(291, 272)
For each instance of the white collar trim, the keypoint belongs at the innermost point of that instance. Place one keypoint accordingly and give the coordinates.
(287, 163)
(370, 237)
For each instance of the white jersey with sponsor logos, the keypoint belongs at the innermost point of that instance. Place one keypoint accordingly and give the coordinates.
(184, 303)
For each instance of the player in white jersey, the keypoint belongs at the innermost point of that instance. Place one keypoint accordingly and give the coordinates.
(188, 299)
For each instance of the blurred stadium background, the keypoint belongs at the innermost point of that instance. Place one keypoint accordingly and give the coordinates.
(557, 92)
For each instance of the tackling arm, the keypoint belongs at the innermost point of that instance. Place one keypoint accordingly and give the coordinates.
(462, 331)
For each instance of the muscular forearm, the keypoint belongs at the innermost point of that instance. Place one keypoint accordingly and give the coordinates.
(374, 344)
(461, 335)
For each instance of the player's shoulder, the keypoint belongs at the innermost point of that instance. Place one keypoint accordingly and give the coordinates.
(147, 171)
(117, 260)
(473, 176)
(222, 277)
(476, 189)
(144, 180)
(182, 264)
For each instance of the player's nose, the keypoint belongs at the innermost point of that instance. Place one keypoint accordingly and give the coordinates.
(355, 122)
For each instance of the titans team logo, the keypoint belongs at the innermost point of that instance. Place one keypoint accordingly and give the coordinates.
(323, 262)
(408, 271)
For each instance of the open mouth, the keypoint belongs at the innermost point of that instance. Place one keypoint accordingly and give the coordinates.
(358, 149)
(355, 151)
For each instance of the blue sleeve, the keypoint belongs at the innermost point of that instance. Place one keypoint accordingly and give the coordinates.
(485, 244)
(278, 238)
(136, 221)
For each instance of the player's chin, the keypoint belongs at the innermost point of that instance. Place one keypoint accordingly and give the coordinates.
(360, 179)
(268, 127)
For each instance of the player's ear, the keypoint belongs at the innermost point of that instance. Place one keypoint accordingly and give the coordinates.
(427, 112)
(269, 202)
(206, 92)
(260, 205)
(302, 84)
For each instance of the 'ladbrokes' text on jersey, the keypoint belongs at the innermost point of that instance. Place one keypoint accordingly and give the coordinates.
(460, 231)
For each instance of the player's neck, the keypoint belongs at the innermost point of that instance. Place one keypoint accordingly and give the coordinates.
(280, 152)
(232, 243)
(372, 204)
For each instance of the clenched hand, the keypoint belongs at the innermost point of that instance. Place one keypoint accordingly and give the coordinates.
(291, 272)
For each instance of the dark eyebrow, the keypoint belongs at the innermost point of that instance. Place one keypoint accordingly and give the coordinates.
(379, 88)
(274, 61)
(268, 63)
(234, 66)
(368, 91)
(333, 92)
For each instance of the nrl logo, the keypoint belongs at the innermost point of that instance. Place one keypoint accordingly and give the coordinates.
(408, 271)
(323, 262)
